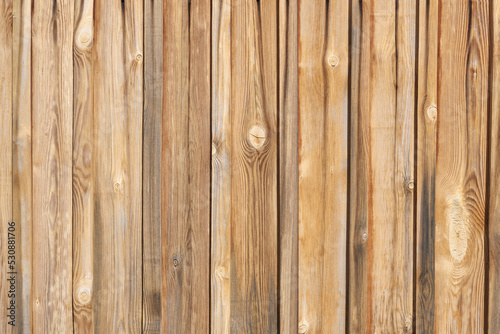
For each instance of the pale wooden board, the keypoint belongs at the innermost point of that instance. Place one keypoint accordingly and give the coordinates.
(288, 166)
(186, 167)
(323, 57)
(151, 170)
(52, 103)
(462, 113)
(83, 205)
(117, 65)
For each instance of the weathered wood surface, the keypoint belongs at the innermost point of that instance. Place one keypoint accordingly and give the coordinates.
(185, 167)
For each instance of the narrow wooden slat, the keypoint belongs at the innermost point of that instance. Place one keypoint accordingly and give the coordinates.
(494, 178)
(426, 166)
(117, 65)
(6, 90)
(220, 303)
(83, 205)
(288, 166)
(381, 240)
(21, 159)
(461, 165)
(323, 164)
(52, 102)
(151, 170)
(254, 212)
(186, 167)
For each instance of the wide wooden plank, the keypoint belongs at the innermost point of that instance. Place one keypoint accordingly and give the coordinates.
(462, 113)
(323, 164)
(186, 167)
(151, 170)
(52, 103)
(21, 159)
(493, 292)
(117, 65)
(83, 205)
(381, 240)
(220, 301)
(254, 212)
(288, 166)
(6, 90)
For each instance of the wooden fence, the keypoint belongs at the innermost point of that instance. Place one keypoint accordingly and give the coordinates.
(246, 166)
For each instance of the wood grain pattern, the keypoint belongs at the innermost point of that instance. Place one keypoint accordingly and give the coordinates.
(117, 64)
(254, 213)
(21, 158)
(220, 301)
(381, 240)
(52, 102)
(288, 167)
(323, 166)
(6, 89)
(461, 166)
(186, 167)
(151, 169)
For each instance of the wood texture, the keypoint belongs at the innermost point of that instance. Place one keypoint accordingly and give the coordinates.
(323, 164)
(186, 167)
(382, 177)
(288, 167)
(461, 166)
(52, 102)
(117, 64)
(151, 169)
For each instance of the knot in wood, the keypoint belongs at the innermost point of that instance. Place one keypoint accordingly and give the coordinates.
(303, 328)
(432, 113)
(83, 295)
(257, 136)
(410, 185)
(175, 262)
(214, 149)
(138, 58)
(364, 236)
(333, 61)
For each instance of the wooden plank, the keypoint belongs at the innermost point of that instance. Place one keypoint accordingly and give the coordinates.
(220, 305)
(6, 90)
(254, 212)
(83, 205)
(426, 166)
(52, 103)
(381, 240)
(462, 112)
(151, 170)
(288, 166)
(21, 159)
(117, 64)
(493, 293)
(186, 167)
(323, 164)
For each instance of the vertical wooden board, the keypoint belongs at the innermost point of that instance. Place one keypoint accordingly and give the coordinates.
(186, 167)
(52, 102)
(6, 90)
(21, 159)
(493, 320)
(220, 303)
(288, 166)
(83, 205)
(117, 165)
(323, 164)
(151, 170)
(381, 239)
(461, 166)
(254, 96)
(426, 166)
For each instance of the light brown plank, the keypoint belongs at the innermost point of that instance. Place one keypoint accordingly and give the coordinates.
(151, 173)
(220, 274)
(381, 241)
(323, 166)
(288, 166)
(117, 63)
(461, 166)
(83, 204)
(186, 167)
(52, 102)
